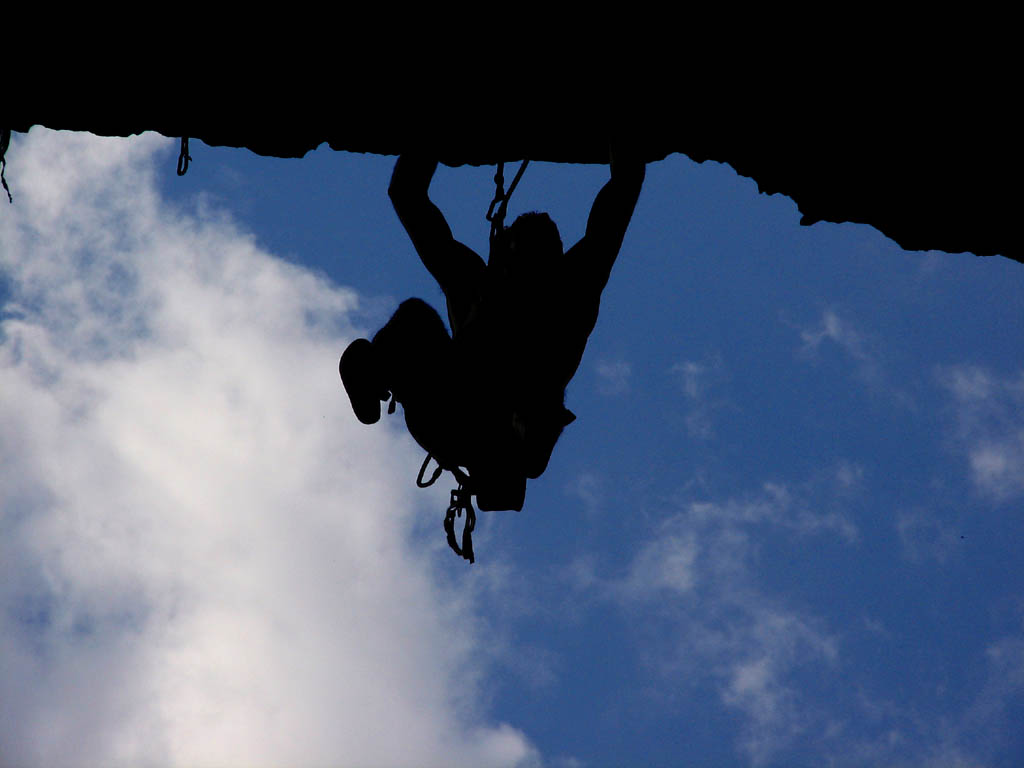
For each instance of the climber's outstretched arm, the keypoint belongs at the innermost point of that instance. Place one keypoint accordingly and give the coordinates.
(452, 264)
(593, 256)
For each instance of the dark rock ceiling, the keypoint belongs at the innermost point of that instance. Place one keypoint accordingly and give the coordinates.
(926, 166)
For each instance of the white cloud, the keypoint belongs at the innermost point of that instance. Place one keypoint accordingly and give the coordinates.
(989, 411)
(204, 559)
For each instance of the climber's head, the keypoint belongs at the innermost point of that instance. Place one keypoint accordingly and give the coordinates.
(531, 241)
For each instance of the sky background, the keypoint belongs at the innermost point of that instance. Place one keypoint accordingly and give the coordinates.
(784, 530)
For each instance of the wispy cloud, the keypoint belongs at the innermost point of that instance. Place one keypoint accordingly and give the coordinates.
(840, 331)
(989, 430)
(925, 535)
(970, 738)
(194, 525)
(665, 564)
(696, 590)
(1003, 691)
(760, 681)
(590, 489)
(613, 378)
(863, 352)
(699, 381)
(697, 572)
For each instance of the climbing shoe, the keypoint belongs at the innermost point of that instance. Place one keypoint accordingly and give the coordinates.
(361, 377)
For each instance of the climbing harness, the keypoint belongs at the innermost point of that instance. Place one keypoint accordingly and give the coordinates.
(497, 219)
(460, 500)
(184, 158)
(5, 140)
(461, 497)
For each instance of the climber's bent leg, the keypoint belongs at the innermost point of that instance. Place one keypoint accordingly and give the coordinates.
(413, 359)
(402, 361)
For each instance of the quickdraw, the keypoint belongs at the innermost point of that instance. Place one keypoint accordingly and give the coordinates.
(5, 140)
(184, 157)
(460, 500)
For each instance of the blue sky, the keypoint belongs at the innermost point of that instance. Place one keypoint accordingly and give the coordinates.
(784, 530)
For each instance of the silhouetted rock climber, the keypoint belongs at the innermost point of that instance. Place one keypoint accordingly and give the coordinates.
(490, 397)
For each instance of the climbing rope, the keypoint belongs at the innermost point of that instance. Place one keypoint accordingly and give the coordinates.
(501, 196)
(5, 140)
(184, 157)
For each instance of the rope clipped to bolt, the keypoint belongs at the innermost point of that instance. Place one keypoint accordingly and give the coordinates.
(501, 198)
